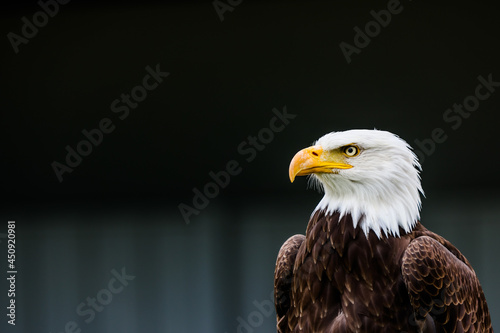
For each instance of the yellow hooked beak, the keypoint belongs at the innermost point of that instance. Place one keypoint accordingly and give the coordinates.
(315, 160)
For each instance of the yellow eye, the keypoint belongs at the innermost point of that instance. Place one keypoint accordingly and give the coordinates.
(350, 151)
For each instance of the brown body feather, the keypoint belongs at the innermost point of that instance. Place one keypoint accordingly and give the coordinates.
(337, 279)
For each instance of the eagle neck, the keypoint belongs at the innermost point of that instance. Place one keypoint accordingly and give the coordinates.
(385, 215)
(342, 227)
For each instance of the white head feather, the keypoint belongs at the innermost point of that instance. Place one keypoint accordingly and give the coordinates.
(381, 190)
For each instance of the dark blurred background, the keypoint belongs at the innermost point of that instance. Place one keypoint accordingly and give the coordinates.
(119, 207)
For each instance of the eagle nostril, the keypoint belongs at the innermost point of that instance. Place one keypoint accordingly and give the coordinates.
(315, 153)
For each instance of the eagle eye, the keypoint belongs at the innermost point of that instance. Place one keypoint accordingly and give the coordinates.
(350, 151)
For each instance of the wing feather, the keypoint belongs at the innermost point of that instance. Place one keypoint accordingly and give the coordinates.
(283, 275)
(443, 285)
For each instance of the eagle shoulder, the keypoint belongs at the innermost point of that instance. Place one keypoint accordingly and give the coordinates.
(283, 275)
(442, 285)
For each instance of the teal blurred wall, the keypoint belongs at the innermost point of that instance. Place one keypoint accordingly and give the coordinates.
(209, 276)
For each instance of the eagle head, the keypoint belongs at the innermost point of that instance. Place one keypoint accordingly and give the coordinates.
(370, 174)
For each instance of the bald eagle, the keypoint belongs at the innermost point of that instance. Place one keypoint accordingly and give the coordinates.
(366, 263)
